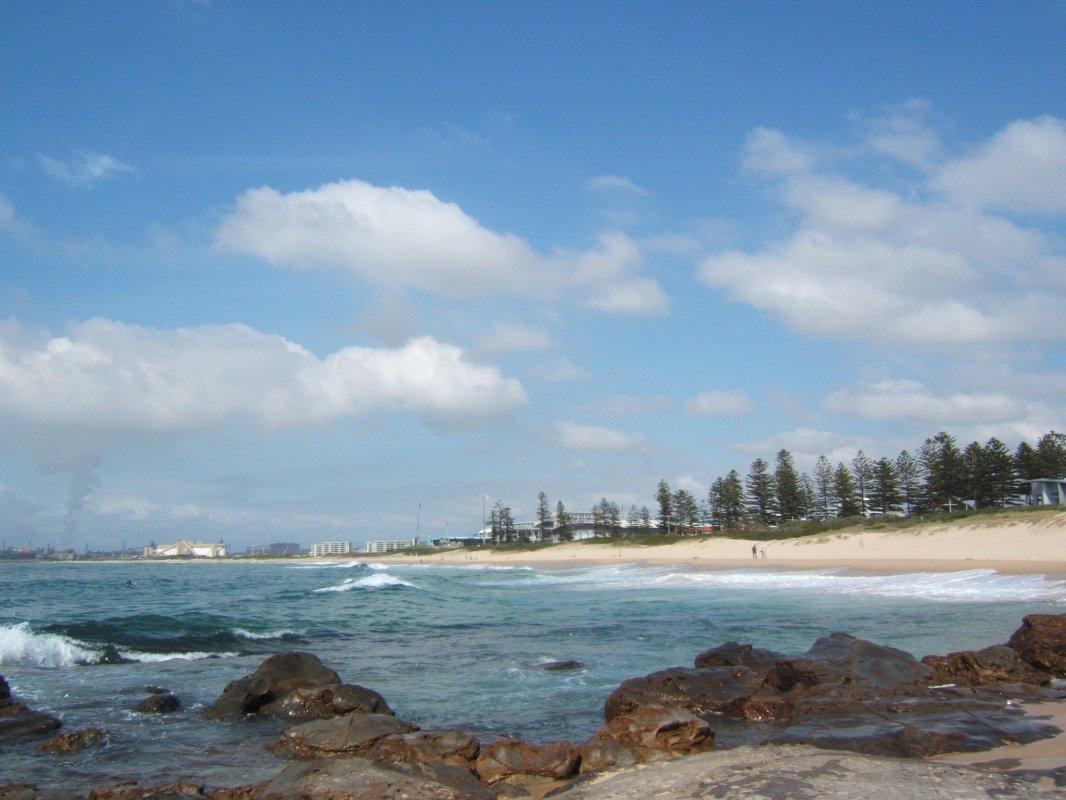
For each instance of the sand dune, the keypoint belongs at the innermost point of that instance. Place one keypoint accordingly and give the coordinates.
(1023, 542)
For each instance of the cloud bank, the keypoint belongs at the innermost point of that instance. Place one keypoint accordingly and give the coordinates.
(111, 376)
(926, 264)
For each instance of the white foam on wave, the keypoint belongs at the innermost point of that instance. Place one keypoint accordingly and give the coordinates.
(20, 646)
(381, 580)
(977, 585)
(153, 658)
(245, 634)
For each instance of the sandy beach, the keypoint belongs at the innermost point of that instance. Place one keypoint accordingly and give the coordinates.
(1018, 543)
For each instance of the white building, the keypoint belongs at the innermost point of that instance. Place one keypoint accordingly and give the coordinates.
(390, 545)
(1047, 491)
(183, 548)
(331, 549)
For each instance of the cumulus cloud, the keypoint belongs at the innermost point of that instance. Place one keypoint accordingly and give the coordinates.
(1022, 168)
(617, 184)
(894, 267)
(84, 169)
(109, 376)
(397, 237)
(723, 403)
(509, 337)
(383, 234)
(593, 439)
(771, 152)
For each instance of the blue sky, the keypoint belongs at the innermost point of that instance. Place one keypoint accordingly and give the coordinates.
(286, 272)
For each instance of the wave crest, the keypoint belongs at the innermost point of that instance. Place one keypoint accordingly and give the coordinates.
(379, 580)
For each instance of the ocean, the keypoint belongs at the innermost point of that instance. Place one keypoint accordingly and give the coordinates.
(458, 646)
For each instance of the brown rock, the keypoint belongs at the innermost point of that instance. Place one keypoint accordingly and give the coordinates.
(426, 747)
(75, 742)
(855, 665)
(998, 663)
(158, 704)
(322, 702)
(732, 654)
(696, 690)
(558, 760)
(338, 737)
(359, 779)
(1041, 641)
(18, 721)
(275, 678)
(30, 791)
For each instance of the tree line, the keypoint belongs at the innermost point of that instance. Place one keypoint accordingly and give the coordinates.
(939, 477)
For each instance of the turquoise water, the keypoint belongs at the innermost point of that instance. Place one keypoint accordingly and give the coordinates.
(446, 646)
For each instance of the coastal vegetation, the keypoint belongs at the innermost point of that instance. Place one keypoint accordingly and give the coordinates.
(940, 481)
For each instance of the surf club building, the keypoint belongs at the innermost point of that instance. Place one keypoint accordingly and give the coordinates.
(1047, 491)
(330, 549)
(185, 548)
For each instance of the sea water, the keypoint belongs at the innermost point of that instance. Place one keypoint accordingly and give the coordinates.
(457, 646)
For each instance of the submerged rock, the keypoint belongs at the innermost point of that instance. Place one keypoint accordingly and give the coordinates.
(30, 791)
(1041, 641)
(294, 686)
(75, 742)
(561, 666)
(339, 737)
(18, 721)
(158, 704)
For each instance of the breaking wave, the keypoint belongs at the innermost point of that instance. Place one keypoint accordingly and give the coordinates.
(977, 585)
(380, 580)
(23, 647)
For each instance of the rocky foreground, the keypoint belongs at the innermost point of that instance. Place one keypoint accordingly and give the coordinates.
(844, 720)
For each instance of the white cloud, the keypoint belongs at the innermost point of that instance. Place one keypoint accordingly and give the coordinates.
(593, 439)
(881, 265)
(112, 376)
(558, 370)
(85, 169)
(383, 234)
(909, 399)
(806, 444)
(771, 152)
(507, 338)
(616, 183)
(902, 133)
(610, 273)
(732, 403)
(397, 237)
(1022, 168)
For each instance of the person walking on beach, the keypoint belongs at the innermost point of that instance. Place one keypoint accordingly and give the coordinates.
(754, 552)
(762, 552)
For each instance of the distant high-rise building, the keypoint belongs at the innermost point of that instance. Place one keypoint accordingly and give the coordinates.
(331, 549)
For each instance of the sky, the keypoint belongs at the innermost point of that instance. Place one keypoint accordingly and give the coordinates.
(295, 272)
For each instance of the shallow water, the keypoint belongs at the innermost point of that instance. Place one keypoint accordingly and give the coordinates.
(446, 646)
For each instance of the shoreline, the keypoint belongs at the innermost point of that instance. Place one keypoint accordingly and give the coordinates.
(1009, 544)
